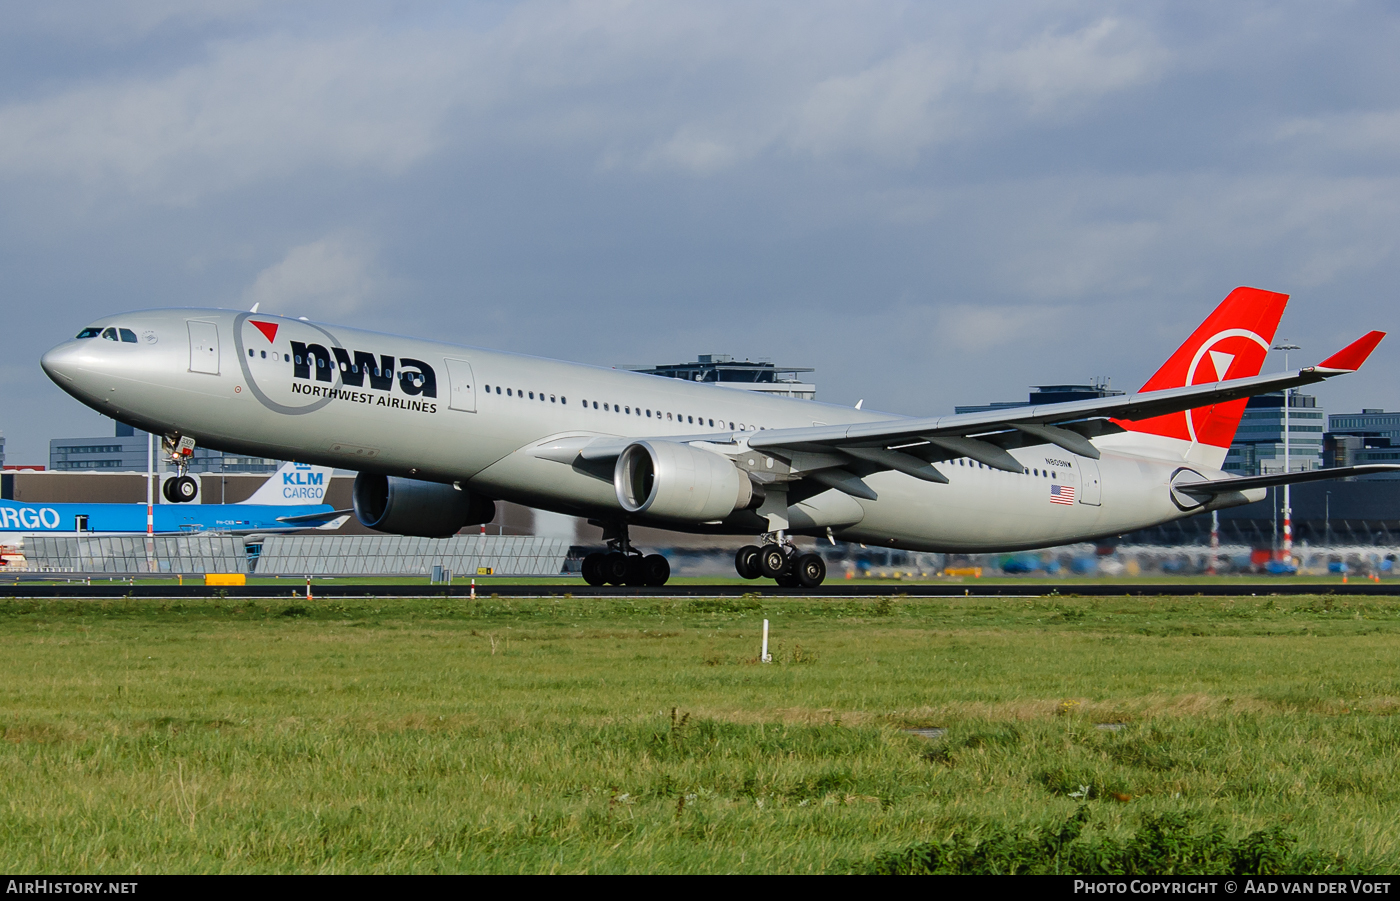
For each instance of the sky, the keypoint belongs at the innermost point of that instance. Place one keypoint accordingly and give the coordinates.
(930, 203)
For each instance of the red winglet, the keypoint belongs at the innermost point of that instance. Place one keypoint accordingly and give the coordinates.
(1350, 358)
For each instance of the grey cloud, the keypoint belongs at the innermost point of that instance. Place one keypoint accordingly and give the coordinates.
(934, 204)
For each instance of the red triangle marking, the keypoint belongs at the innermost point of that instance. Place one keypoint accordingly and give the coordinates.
(269, 329)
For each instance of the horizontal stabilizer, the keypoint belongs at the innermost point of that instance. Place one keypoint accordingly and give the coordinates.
(312, 518)
(1217, 486)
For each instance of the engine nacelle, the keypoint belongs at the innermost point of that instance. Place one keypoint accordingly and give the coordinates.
(413, 507)
(677, 481)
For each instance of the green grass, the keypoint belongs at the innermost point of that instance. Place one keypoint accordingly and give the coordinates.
(578, 735)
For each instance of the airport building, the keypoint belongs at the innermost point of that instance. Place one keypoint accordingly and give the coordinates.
(1258, 447)
(751, 375)
(1371, 436)
(1047, 394)
(125, 451)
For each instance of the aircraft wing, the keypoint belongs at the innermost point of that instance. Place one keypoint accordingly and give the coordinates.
(838, 456)
(1068, 425)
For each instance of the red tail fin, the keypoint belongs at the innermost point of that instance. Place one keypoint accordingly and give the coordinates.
(1231, 343)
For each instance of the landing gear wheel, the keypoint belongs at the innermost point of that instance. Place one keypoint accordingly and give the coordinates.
(613, 568)
(180, 490)
(746, 562)
(787, 580)
(656, 569)
(593, 570)
(772, 560)
(810, 570)
(636, 571)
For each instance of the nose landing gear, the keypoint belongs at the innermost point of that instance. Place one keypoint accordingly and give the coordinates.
(183, 488)
(180, 490)
(779, 559)
(624, 564)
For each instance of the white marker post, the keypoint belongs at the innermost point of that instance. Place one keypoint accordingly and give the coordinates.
(765, 656)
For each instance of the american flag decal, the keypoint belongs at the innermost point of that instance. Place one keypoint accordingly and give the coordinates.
(1061, 494)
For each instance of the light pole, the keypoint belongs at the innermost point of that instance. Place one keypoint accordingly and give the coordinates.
(1286, 346)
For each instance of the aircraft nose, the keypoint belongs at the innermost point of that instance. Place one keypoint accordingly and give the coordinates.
(61, 363)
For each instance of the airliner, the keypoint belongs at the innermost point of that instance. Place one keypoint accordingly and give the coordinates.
(439, 432)
(285, 502)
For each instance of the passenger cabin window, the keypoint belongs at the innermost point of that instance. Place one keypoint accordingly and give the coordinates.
(88, 333)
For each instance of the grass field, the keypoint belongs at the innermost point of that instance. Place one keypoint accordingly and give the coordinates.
(574, 735)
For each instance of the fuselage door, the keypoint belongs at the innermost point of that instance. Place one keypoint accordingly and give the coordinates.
(204, 346)
(463, 395)
(1090, 492)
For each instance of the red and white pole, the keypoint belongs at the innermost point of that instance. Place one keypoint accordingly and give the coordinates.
(150, 484)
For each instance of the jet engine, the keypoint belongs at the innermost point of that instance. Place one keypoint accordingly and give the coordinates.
(413, 507)
(677, 481)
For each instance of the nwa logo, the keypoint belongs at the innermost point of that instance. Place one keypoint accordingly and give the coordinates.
(355, 368)
(323, 371)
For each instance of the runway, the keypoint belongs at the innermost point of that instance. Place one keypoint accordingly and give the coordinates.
(290, 590)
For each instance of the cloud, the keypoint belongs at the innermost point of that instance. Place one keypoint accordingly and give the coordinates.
(330, 277)
(921, 94)
(660, 86)
(257, 110)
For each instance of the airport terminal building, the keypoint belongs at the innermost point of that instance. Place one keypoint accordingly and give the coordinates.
(125, 451)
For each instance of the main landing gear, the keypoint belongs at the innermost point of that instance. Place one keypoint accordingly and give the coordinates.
(624, 564)
(779, 559)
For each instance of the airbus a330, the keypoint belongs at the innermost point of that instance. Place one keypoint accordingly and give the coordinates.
(439, 432)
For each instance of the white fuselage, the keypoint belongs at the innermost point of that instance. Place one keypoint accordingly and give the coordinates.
(448, 413)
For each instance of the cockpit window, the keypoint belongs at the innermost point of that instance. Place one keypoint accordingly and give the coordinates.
(88, 333)
(110, 334)
(128, 336)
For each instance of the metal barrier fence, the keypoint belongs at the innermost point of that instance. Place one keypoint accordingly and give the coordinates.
(173, 554)
(389, 555)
